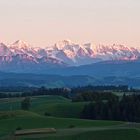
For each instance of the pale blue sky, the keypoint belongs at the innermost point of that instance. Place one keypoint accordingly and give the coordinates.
(41, 22)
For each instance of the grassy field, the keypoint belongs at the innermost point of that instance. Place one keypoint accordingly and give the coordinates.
(63, 119)
(29, 120)
(68, 109)
(14, 103)
(54, 105)
(117, 134)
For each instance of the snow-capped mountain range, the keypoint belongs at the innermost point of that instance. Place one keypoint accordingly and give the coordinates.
(63, 53)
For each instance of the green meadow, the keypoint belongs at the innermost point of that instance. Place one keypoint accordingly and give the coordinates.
(64, 117)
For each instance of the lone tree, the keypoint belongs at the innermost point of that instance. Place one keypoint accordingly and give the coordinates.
(26, 103)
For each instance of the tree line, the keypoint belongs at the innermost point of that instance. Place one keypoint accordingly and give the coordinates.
(37, 92)
(125, 109)
(123, 88)
(94, 96)
(9, 92)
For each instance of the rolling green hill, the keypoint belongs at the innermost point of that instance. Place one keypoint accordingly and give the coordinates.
(63, 118)
(68, 109)
(28, 120)
(117, 134)
(54, 105)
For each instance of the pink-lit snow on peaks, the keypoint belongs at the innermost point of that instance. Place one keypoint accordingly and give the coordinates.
(66, 52)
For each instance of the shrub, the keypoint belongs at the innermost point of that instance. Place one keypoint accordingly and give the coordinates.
(19, 128)
(47, 114)
(71, 126)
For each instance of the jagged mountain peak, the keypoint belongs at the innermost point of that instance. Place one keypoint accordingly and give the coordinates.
(68, 52)
(2, 44)
(63, 44)
(66, 42)
(4, 50)
(19, 44)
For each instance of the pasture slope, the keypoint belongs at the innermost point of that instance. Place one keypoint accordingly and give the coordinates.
(66, 128)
